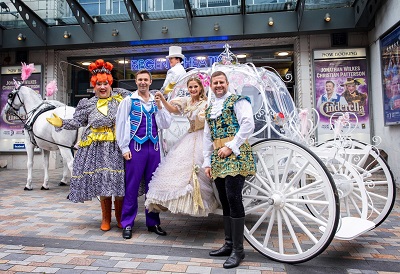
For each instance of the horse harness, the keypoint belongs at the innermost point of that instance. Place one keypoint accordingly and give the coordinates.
(28, 124)
(32, 116)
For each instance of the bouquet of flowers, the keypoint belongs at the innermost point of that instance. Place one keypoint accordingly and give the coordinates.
(279, 118)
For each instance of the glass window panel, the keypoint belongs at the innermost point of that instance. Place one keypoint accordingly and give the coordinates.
(141, 5)
(325, 4)
(94, 7)
(119, 7)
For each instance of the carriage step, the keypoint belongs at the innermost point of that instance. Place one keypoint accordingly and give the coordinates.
(351, 227)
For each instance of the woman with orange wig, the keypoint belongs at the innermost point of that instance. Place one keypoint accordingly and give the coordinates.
(98, 168)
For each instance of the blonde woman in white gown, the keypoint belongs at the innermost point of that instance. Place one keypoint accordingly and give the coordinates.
(179, 184)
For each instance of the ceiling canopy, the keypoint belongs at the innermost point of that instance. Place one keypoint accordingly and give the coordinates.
(130, 22)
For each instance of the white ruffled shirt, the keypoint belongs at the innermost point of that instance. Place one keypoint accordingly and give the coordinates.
(173, 75)
(123, 122)
(244, 115)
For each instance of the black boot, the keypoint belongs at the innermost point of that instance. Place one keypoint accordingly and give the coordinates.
(237, 254)
(226, 249)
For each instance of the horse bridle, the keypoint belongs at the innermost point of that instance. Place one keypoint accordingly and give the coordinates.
(11, 97)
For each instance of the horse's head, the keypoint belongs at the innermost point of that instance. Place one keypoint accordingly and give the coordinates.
(14, 101)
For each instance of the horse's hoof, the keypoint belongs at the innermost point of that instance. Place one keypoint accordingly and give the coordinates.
(29, 189)
(44, 188)
(62, 184)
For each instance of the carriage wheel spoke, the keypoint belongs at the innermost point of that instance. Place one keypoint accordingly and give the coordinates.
(356, 207)
(370, 206)
(280, 233)
(376, 183)
(375, 169)
(255, 197)
(269, 229)
(370, 203)
(304, 188)
(286, 171)
(305, 214)
(259, 222)
(362, 160)
(275, 165)
(297, 177)
(372, 194)
(264, 181)
(312, 202)
(255, 208)
(261, 159)
(301, 225)
(291, 231)
(265, 191)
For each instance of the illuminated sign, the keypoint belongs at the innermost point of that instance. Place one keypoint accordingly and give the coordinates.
(163, 64)
(19, 146)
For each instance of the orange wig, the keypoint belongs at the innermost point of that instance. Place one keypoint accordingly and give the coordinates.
(101, 72)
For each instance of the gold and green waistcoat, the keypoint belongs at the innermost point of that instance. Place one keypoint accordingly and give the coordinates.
(226, 125)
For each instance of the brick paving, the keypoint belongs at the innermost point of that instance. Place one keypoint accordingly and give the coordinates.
(43, 232)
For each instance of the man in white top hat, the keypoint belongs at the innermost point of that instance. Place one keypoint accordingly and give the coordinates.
(175, 58)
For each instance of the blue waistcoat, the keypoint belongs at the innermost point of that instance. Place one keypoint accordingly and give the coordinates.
(143, 122)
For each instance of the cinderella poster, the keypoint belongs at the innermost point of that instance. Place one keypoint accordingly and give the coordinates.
(341, 87)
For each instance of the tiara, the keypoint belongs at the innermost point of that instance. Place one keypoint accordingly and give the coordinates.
(100, 70)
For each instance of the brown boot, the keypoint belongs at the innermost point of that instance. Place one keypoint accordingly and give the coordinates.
(118, 210)
(106, 213)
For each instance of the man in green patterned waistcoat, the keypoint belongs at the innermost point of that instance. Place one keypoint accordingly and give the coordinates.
(228, 159)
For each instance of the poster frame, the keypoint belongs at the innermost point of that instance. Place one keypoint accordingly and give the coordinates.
(15, 143)
(361, 131)
(389, 43)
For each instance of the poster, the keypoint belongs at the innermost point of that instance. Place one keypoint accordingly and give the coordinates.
(341, 86)
(391, 76)
(11, 127)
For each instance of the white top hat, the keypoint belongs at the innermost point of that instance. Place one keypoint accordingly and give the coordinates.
(175, 51)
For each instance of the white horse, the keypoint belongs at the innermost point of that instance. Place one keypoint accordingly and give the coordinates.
(39, 133)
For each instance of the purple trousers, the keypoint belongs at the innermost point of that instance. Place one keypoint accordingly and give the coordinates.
(142, 165)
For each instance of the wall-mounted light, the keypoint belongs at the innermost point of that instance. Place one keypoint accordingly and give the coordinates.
(241, 56)
(216, 27)
(270, 21)
(21, 37)
(66, 35)
(283, 53)
(123, 61)
(327, 17)
(86, 63)
(115, 32)
(164, 29)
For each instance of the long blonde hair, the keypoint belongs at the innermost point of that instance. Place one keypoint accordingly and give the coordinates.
(202, 95)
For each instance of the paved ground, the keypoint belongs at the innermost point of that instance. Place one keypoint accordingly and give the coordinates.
(41, 231)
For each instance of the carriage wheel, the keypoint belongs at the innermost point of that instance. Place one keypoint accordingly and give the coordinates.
(376, 175)
(278, 224)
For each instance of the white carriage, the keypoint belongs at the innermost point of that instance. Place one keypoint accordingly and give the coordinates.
(303, 194)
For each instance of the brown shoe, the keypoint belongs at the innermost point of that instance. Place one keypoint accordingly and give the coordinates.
(118, 211)
(106, 214)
